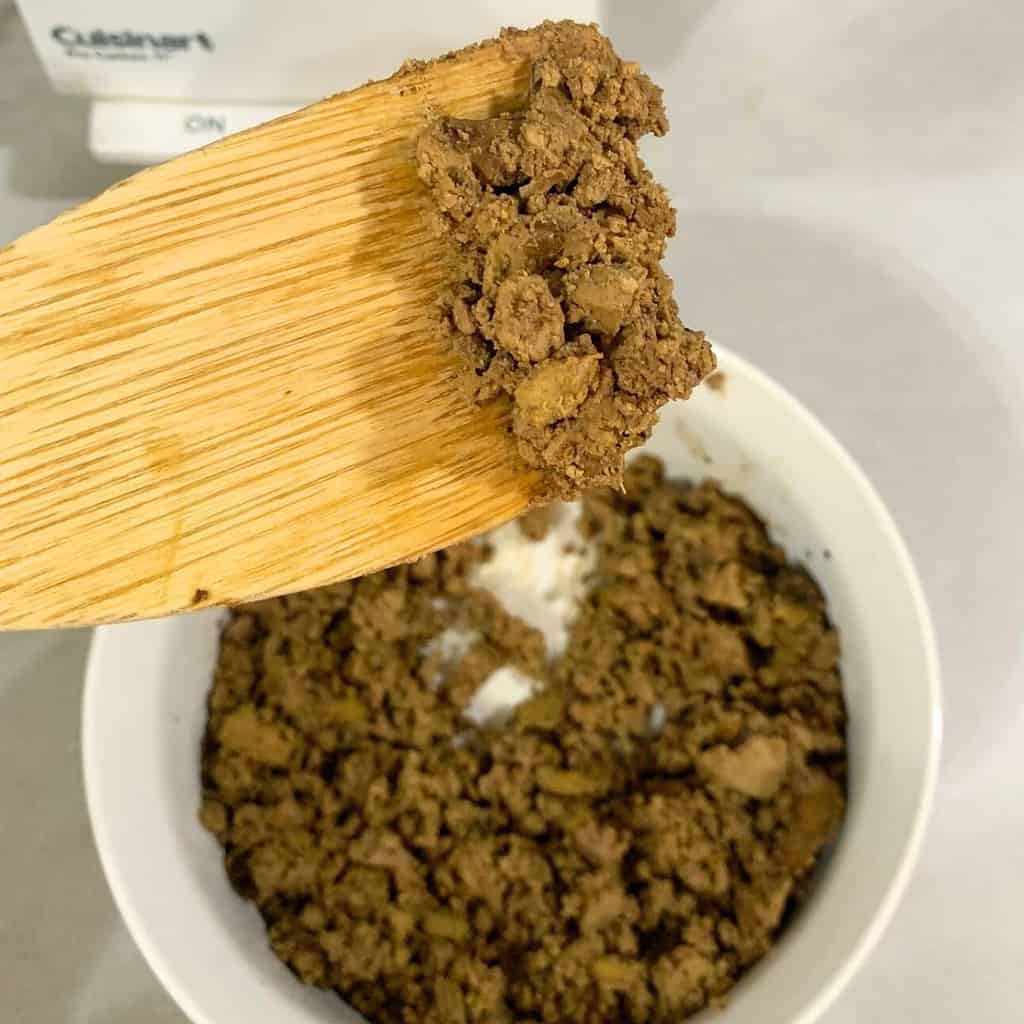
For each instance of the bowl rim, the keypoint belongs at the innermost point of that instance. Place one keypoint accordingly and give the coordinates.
(866, 942)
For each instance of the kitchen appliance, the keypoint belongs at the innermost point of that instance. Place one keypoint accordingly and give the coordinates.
(166, 78)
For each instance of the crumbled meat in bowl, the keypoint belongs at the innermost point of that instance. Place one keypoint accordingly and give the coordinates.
(622, 846)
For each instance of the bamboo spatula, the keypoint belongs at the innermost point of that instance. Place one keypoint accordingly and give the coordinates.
(220, 379)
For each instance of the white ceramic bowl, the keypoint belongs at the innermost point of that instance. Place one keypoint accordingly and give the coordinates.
(144, 713)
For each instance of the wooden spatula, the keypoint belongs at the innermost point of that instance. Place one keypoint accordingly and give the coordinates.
(221, 379)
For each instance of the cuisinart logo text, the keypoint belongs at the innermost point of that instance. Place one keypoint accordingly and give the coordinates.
(127, 45)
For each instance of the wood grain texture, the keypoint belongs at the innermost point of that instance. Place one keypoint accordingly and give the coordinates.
(221, 379)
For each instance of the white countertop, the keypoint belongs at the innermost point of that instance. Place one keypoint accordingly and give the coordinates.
(850, 178)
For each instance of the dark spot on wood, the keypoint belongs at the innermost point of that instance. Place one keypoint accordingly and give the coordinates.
(200, 596)
(165, 453)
